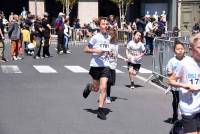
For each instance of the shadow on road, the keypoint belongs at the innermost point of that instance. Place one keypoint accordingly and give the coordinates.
(136, 86)
(169, 120)
(94, 111)
(114, 98)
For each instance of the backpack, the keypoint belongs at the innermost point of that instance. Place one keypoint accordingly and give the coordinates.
(58, 24)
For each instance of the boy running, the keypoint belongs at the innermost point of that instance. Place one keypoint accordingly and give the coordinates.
(134, 52)
(98, 46)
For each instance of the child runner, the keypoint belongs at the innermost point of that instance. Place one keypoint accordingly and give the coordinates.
(188, 74)
(171, 68)
(98, 46)
(114, 55)
(134, 52)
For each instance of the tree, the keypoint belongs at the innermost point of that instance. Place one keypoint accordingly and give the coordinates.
(67, 5)
(123, 7)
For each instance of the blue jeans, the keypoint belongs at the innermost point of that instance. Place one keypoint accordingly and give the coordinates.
(66, 42)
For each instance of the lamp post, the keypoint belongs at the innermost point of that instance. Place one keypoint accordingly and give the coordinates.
(35, 7)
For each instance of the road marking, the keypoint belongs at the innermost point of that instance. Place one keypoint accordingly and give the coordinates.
(10, 69)
(44, 69)
(77, 69)
(143, 70)
(119, 71)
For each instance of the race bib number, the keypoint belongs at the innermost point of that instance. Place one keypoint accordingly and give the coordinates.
(104, 47)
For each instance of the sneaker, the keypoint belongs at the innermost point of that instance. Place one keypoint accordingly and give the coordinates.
(68, 52)
(132, 85)
(19, 58)
(108, 100)
(100, 114)
(86, 91)
(3, 60)
(14, 58)
(36, 57)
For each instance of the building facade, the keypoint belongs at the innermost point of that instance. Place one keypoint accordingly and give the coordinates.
(181, 13)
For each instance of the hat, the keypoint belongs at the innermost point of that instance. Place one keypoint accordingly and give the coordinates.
(46, 14)
(61, 14)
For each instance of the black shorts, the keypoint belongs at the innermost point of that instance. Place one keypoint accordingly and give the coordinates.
(98, 72)
(112, 78)
(135, 66)
(191, 123)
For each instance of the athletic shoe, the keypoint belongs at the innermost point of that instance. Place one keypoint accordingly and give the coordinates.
(19, 58)
(3, 60)
(36, 57)
(14, 58)
(100, 114)
(132, 85)
(86, 91)
(68, 52)
(108, 100)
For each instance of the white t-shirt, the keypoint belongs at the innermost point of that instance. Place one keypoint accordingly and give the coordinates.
(189, 72)
(113, 58)
(148, 27)
(102, 42)
(173, 65)
(135, 49)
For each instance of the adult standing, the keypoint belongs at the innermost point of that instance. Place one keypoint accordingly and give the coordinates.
(59, 25)
(2, 45)
(67, 35)
(98, 46)
(46, 34)
(14, 33)
(38, 37)
(150, 34)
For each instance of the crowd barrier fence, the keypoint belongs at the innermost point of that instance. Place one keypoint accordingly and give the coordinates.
(163, 52)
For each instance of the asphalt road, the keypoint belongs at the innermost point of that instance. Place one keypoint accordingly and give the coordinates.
(34, 102)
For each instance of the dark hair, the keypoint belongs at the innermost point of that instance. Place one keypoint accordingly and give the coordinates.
(177, 42)
(113, 33)
(142, 35)
(102, 18)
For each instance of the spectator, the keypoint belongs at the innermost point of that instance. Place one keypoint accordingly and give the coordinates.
(59, 26)
(14, 33)
(46, 34)
(2, 45)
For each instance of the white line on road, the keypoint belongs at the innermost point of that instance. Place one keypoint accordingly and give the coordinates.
(119, 71)
(44, 69)
(77, 69)
(10, 69)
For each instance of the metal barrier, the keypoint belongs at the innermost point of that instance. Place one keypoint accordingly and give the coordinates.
(81, 36)
(163, 52)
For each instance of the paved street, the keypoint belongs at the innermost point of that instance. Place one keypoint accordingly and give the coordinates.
(45, 97)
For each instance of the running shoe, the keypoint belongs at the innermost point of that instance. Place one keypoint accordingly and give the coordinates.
(132, 85)
(86, 91)
(108, 100)
(100, 114)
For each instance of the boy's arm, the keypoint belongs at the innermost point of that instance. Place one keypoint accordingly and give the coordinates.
(88, 49)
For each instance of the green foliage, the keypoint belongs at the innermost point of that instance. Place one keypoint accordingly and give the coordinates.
(120, 1)
(71, 2)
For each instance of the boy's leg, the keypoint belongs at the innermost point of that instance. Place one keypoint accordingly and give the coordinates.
(102, 96)
(132, 73)
(102, 87)
(94, 86)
